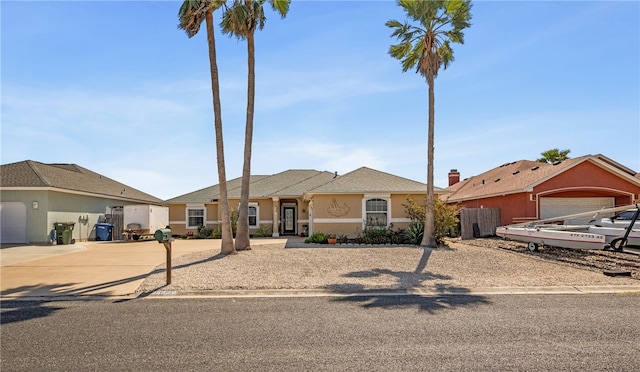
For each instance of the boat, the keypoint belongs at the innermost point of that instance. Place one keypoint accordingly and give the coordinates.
(553, 237)
(612, 233)
(543, 232)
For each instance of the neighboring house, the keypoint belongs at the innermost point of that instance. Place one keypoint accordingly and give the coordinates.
(527, 190)
(301, 202)
(34, 196)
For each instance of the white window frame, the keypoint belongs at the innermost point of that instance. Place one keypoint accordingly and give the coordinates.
(384, 197)
(257, 215)
(196, 208)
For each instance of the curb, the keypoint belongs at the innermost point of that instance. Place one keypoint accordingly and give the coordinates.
(302, 293)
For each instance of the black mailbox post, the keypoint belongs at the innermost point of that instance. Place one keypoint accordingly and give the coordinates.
(164, 236)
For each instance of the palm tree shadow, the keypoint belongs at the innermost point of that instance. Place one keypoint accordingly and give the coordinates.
(40, 295)
(404, 294)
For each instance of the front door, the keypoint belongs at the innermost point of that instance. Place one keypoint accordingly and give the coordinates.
(289, 220)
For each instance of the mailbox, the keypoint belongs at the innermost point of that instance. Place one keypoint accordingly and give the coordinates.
(162, 235)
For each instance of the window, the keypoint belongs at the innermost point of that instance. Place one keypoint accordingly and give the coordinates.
(376, 212)
(253, 216)
(195, 217)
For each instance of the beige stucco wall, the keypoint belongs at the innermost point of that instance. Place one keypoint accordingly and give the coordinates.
(350, 206)
(332, 217)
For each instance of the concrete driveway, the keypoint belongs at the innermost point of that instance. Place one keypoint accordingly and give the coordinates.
(88, 268)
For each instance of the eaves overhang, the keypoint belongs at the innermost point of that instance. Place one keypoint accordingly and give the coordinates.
(84, 193)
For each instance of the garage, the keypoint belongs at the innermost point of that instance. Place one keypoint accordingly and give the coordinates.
(13, 223)
(554, 207)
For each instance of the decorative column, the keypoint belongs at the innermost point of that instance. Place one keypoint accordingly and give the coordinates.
(276, 218)
(310, 217)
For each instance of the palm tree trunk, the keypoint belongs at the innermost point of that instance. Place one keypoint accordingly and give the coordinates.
(429, 238)
(227, 237)
(242, 234)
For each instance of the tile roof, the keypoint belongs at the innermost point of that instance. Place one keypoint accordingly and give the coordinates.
(71, 177)
(367, 180)
(519, 176)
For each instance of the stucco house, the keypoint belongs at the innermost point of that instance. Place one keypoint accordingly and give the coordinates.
(34, 196)
(301, 202)
(527, 190)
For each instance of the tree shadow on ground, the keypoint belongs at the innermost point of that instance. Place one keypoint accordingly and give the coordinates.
(30, 301)
(407, 291)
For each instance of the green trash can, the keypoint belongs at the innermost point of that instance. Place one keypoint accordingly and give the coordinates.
(64, 232)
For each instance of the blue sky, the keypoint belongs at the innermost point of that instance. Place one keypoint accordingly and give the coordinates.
(115, 87)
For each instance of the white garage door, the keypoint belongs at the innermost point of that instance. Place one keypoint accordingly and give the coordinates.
(13, 222)
(554, 207)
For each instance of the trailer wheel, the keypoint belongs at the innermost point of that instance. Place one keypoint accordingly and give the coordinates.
(533, 247)
(618, 243)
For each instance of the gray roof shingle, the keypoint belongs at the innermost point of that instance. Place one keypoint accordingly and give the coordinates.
(72, 177)
(367, 180)
(297, 182)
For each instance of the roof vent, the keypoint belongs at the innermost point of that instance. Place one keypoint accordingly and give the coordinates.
(534, 168)
(497, 179)
(516, 172)
(556, 162)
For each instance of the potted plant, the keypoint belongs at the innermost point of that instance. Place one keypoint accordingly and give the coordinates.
(331, 239)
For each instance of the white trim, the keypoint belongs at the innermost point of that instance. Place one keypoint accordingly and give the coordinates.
(212, 223)
(257, 207)
(337, 220)
(195, 207)
(178, 223)
(95, 195)
(367, 197)
(261, 222)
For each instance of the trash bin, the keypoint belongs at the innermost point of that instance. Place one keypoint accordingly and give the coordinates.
(64, 232)
(104, 231)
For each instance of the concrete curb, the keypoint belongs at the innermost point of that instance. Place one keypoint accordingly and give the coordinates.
(301, 293)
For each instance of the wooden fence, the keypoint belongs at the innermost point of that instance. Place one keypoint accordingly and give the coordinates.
(479, 222)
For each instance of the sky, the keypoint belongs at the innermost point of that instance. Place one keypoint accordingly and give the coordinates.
(116, 87)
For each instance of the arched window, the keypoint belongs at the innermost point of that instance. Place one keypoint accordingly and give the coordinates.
(376, 213)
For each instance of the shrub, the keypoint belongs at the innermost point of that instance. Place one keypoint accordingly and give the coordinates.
(264, 231)
(318, 238)
(445, 219)
(204, 233)
(342, 238)
(414, 232)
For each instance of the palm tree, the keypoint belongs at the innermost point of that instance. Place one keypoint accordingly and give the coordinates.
(191, 14)
(554, 155)
(426, 47)
(242, 20)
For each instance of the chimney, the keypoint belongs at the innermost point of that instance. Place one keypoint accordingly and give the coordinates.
(454, 177)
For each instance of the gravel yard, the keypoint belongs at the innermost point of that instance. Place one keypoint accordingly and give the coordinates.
(479, 263)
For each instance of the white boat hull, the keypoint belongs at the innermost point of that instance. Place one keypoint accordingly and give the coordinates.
(611, 233)
(553, 238)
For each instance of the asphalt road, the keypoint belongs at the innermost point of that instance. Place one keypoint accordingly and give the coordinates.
(406, 333)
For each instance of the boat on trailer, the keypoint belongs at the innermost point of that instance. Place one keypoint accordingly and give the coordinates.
(542, 232)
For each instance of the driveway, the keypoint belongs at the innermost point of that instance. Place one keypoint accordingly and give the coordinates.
(88, 268)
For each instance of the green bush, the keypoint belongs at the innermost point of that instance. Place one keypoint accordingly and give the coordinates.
(445, 215)
(414, 233)
(204, 233)
(318, 238)
(264, 231)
